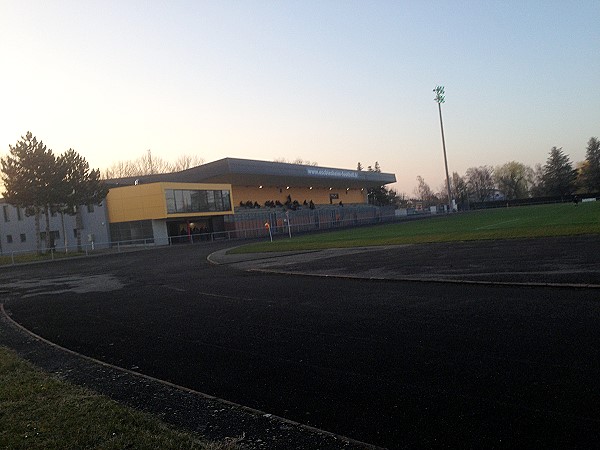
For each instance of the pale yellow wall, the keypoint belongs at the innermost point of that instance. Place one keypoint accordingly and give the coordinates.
(141, 202)
(319, 196)
(147, 201)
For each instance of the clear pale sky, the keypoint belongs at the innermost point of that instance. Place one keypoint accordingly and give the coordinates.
(334, 82)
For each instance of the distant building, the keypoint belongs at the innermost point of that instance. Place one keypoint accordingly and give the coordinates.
(17, 231)
(227, 195)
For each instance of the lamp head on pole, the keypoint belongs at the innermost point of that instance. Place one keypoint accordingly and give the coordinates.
(439, 94)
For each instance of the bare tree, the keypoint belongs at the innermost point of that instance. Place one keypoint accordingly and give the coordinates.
(121, 169)
(513, 178)
(423, 192)
(480, 182)
(298, 160)
(458, 188)
(185, 162)
(148, 164)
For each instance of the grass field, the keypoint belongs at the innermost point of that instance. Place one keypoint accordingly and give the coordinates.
(38, 411)
(564, 219)
(20, 258)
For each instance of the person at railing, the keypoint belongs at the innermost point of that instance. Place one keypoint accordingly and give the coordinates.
(195, 234)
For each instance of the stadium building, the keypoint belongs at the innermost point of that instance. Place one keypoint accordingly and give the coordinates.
(227, 198)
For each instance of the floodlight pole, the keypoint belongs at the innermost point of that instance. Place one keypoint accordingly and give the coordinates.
(440, 98)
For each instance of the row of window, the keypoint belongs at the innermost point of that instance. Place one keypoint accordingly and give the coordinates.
(6, 212)
(195, 201)
(7, 215)
(54, 236)
(9, 238)
(137, 231)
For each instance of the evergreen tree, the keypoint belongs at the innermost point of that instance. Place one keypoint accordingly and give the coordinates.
(29, 177)
(79, 186)
(591, 170)
(559, 176)
(380, 195)
(37, 181)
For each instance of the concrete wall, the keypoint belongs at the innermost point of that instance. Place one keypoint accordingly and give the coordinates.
(94, 222)
(159, 231)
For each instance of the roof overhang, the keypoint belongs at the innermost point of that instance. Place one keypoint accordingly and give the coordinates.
(245, 172)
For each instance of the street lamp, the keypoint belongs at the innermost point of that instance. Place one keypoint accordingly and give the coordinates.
(439, 98)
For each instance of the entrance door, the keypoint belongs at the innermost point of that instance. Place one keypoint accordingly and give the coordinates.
(178, 231)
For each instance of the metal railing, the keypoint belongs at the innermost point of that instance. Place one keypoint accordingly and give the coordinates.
(289, 227)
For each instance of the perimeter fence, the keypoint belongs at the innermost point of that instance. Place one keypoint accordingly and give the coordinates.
(246, 225)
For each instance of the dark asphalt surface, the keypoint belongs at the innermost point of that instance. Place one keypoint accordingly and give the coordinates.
(395, 364)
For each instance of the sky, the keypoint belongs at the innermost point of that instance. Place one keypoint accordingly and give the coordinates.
(328, 81)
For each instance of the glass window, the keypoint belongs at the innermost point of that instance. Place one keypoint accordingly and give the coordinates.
(132, 232)
(193, 201)
(5, 211)
(179, 201)
(9, 238)
(226, 200)
(19, 214)
(170, 197)
(187, 201)
(23, 237)
(90, 208)
(210, 198)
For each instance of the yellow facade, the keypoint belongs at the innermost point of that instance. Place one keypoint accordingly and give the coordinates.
(319, 196)
(148, 201)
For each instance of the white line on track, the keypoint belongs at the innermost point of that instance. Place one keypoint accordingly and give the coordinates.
(496, 224)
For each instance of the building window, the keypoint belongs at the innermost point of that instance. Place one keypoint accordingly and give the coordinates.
(90, 207)
(23, 237)
(74, 232)
(5, 211)
(19, 214)
(54, 236)
(9, 238)
(195, 201)
(132, 232)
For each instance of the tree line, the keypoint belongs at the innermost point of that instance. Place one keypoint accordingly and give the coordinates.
(513, 180)
(42, 183)
(379, 195)
(150, 165)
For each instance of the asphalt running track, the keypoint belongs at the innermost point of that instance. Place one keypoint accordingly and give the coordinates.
(395, 364)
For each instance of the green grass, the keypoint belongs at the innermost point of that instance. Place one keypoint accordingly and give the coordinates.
(34, 257)
(503, 223)
(38, 411)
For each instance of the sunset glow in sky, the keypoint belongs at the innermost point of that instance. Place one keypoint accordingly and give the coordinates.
(334, 82)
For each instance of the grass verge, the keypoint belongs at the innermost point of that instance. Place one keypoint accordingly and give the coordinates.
(563, 219)
(38, 411)
(34, 257)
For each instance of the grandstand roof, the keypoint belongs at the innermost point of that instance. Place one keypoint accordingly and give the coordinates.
(249, 172)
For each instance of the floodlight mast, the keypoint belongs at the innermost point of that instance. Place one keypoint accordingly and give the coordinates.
(440, 98)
